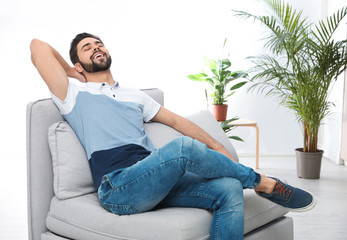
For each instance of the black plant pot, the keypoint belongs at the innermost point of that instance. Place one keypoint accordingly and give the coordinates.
(308, 164)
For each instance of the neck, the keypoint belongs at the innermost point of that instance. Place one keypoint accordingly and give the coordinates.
(104, 76)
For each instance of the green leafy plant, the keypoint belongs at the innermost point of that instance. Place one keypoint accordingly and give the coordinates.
(219, 77)
(228, 127)
(302, 65)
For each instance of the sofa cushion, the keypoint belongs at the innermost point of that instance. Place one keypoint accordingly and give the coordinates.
(161, 134)
(52, 236)
(259, 211)
(72, 175)
(84, 218)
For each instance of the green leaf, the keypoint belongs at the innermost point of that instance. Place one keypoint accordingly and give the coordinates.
(196, 77)
(225, 63)
(238, 74)
(237, 86)
(216, 73)
(230, 94)
(236, 138)
(225, 41)
(226, 122)
(212, 64)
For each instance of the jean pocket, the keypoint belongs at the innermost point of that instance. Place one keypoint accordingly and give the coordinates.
(123, 209)
(113, 177)
(105, 189)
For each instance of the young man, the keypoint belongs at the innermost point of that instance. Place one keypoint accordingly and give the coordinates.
(129, 174)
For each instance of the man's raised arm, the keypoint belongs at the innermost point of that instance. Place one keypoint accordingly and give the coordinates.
(53, 68)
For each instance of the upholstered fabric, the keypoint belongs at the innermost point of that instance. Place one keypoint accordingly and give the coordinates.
(84, 218)
(40, 115)
(281, 228)
(72, 176)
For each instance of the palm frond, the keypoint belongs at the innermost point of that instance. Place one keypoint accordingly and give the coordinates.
(326, 29)
(303, 65)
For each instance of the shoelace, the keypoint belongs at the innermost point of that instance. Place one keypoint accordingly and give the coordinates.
(281, 190)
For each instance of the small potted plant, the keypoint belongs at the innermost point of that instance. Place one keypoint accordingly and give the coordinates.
(219, 78)
(302, 63)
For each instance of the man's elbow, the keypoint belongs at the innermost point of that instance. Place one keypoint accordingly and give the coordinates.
(36, 46)
(33, 48)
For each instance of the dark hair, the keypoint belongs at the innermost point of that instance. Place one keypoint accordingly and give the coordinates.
(73, 47)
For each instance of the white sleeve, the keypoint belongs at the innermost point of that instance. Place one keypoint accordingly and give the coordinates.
(67, 105)
(150, 107)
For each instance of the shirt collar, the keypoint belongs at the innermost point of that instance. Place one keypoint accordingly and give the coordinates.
(98, 86)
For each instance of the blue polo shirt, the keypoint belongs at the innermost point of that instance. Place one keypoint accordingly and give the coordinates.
(108, 121)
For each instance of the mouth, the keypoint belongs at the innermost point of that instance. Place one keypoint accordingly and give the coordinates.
(98, 55)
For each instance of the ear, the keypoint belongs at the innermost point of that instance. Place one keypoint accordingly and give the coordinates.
(78, 67)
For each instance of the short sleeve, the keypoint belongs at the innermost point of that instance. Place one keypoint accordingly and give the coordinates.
(150, 107)
(67, 105)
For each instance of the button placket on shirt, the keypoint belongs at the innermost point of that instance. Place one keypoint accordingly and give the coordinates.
(113, 91)
(108, 90)
(113, 88)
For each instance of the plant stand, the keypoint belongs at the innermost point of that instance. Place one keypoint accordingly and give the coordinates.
(308, 164)
(250, 123)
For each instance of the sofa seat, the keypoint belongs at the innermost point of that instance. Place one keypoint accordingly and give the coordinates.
(84, 218)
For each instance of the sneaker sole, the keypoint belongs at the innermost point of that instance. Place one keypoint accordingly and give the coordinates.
(298, 210)
(304, 209)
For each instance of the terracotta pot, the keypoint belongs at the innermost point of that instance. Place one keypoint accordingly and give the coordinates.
(308, 164)
(220, 111)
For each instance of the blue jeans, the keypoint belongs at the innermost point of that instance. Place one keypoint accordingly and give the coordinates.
(183, 173)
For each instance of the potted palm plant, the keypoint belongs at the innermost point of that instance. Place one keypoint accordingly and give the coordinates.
(302, 63)
(219, 78)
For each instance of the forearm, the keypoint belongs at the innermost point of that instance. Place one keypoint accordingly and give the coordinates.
(53, 69)
(41, 51)
(67, 68)
(190, 129)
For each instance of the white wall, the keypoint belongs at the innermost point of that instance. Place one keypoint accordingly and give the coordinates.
(153, 44)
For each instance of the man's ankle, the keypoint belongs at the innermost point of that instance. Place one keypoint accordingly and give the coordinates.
(266, 185)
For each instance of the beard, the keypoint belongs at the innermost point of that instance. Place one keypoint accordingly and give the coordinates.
(100, 66)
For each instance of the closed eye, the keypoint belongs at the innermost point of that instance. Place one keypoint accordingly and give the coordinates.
(87, 48)
(100, 44)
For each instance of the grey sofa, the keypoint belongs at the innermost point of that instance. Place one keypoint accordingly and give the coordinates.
(58, 213)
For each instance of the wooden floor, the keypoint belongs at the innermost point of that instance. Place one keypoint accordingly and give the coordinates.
(327, 221)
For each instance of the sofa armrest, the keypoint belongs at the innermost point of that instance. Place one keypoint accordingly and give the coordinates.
(40, 115)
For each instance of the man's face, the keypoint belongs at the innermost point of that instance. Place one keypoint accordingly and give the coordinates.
(93, 56)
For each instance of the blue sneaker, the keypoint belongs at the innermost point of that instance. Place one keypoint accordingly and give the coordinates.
(292, 198)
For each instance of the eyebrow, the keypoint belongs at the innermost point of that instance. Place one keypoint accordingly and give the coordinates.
(87, 44)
